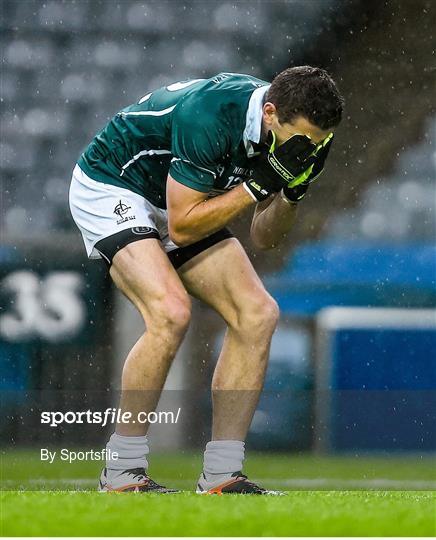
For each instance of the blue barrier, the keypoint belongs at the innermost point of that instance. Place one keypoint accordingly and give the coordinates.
(321, 274)
(376, 380)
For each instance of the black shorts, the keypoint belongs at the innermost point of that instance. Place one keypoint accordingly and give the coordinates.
(109, 246)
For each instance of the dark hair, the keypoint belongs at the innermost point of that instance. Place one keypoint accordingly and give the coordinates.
(309, 92)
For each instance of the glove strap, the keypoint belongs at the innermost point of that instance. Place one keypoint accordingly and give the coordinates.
(256, 192)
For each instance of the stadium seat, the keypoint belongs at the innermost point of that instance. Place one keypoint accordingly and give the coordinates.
(69, 66)
(62, 16)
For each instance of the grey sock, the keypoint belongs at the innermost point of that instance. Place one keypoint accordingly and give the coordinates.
(132, 452)
(221, 458)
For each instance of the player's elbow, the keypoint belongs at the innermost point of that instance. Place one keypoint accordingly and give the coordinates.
(179, 236)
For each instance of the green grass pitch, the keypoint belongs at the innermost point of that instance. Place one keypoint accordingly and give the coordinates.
(325, 496)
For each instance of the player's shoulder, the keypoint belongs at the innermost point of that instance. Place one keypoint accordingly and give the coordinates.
(233, 87)
(235, 80)
(197, 95)
(220, 97)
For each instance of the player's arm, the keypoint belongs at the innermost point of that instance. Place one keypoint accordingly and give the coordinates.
(272, 221)
(200, 141)
(193, 216)
(197, 149)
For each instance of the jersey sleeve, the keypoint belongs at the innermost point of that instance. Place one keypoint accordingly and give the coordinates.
(198, 145)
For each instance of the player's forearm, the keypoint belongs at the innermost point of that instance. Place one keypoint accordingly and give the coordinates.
(271, 225)
(209, 216)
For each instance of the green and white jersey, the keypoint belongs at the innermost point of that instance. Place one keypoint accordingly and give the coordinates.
(199, 131)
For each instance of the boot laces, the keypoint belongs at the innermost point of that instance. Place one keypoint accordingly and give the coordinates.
(140, 474)
(244, 477)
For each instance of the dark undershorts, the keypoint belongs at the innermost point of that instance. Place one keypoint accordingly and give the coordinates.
(109, 246)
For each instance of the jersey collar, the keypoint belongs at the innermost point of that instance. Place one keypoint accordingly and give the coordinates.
(253, 124)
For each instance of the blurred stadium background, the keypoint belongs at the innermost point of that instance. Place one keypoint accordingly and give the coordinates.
(353, 362)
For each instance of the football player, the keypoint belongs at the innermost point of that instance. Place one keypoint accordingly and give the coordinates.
(153, 194)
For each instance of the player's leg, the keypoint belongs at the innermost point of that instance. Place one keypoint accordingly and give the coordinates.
(142, 271)
(122, 227)
(223, 277)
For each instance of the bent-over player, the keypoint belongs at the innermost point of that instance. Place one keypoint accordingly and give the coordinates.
(152, 195)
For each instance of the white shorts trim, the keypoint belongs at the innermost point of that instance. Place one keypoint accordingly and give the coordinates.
(101, 210)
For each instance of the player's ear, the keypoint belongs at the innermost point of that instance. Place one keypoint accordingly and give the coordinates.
(269, 112)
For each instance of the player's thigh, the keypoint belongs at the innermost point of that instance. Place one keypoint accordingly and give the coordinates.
(224, 278)
(143, 272)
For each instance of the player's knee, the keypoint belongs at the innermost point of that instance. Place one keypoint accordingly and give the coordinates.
(269, 312)
(272, 310)
(179, 314)
(259, 317)
(171, 315)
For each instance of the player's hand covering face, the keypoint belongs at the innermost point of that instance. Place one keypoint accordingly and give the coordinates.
(296, 189)
(293, 163)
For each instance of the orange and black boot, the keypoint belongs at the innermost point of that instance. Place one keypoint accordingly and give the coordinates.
(235, 483)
